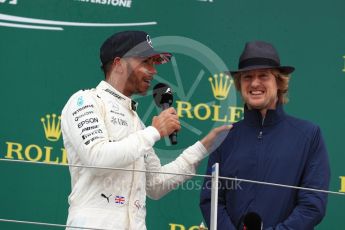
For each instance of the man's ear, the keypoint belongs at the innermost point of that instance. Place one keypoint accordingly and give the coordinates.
(118, 65)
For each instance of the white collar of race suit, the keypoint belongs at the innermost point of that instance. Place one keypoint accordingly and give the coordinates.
(115, 94)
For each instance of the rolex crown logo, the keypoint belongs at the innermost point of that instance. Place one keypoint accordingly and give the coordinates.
(221, 85)
(52, 128)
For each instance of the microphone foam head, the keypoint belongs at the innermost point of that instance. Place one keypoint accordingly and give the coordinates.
(252, 221)
(162, 94)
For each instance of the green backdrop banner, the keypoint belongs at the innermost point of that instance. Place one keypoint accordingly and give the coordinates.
(49, 49)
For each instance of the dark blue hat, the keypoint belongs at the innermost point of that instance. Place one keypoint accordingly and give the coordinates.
(131, 44)
(260, 55)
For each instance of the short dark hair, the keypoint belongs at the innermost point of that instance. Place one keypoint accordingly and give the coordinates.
(106, 67)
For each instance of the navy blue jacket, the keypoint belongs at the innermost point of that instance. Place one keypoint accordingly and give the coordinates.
(281, 149)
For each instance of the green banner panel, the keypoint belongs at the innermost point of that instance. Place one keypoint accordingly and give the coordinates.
(49, 49)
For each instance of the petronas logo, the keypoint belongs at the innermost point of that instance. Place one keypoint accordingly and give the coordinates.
(221, 85)
(52, 126)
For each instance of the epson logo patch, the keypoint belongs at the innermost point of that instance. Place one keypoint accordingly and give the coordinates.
(87, 121)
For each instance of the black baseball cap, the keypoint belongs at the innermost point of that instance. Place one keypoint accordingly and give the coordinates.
(131, 44)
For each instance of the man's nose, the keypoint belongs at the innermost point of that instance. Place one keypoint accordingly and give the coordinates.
(255, 81)
(153, 69)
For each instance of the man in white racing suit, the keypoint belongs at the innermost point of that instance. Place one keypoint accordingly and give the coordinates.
(101, 128)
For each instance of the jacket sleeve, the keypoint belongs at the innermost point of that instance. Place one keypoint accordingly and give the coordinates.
(223, 220)
(157, 185)
(88, 136)
(311, 206)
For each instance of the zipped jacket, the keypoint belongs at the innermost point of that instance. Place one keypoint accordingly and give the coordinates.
(279, 149)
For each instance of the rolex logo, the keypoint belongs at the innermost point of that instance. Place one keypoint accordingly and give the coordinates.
(221, 85)
(52, 128)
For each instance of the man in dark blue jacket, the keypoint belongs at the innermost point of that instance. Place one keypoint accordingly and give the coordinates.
(268, 145)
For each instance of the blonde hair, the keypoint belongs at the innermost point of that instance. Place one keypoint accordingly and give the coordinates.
(282, 84)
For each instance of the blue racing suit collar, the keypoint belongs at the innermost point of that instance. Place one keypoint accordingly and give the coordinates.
(253, 117)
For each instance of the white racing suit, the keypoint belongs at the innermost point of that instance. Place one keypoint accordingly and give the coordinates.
(101, 128)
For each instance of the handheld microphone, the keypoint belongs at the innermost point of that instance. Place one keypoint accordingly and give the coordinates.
(252, 221)
(163, 98)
